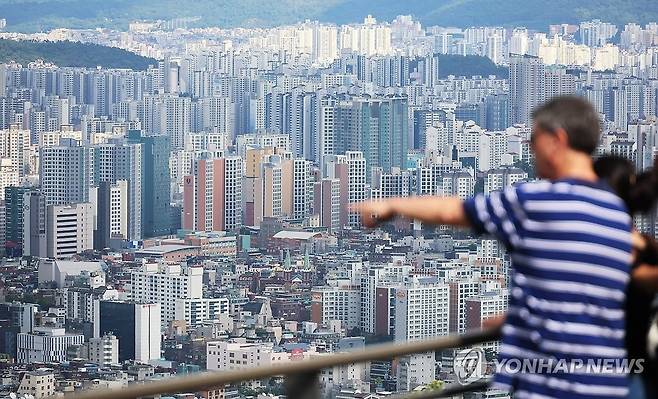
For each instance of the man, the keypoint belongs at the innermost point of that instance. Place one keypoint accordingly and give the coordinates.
(569, 238)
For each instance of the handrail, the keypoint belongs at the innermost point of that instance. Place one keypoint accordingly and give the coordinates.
(208, 380)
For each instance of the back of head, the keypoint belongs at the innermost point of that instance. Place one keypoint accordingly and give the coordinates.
(638, 191)
(576, 116)
(618, 173)
(644, 192)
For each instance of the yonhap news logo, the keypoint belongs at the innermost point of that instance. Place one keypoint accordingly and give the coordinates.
(469, 365)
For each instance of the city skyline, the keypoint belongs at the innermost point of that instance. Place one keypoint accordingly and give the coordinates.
(196, 214)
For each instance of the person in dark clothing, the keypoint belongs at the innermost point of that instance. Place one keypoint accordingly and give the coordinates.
(639, 192)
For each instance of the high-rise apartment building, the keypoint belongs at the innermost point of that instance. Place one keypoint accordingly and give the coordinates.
(501, 178)
(415, 310)
(326, 203)
(492, 146)
(156, 189)
(420, 310)
(527, 86)
(461, 289)
(268, 194)
(350, 171)
(376, 126)
(33, 223)
(121, 161)
(14, 145)
(66, 172)
(212, 197)
(110, 206)
(296, 187)
(398, 183)
(196, 311)
(252, 186)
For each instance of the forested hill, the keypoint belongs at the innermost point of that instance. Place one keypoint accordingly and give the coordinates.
(71, 54)
(468, 66)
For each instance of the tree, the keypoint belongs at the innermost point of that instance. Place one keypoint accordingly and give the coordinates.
(435, 385)
(68, 54)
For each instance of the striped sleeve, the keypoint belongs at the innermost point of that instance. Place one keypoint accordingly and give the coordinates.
(497, 215)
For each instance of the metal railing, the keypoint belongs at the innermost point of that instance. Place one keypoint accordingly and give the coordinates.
(302, 376)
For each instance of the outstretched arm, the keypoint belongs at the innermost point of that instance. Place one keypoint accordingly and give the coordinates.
(428, 209)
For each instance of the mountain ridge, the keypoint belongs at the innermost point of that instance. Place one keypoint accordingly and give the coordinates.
(38, 15)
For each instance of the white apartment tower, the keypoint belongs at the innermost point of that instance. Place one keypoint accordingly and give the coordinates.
(69, 229)
(491, 148)
(297, 187)
(165, 284)
(196, 311)
(341, 303)
(502, 178)
(175, 119)
(420, 311)
(459, 184)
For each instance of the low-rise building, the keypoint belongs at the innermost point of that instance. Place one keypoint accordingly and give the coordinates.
(104, 350)
(37, 384)
(45, 345)
(196, 311)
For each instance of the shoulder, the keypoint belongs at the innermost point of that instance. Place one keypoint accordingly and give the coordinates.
(568, 190)
(537, 186)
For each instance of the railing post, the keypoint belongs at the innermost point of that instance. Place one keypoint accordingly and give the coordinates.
(303, 386)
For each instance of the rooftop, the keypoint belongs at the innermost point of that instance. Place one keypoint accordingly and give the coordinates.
(295, 235)
(167, 248)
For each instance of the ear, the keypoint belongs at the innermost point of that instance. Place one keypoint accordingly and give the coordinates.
(561, 137)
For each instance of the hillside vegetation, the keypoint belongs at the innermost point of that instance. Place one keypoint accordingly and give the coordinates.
(71, 54)
(468, 66)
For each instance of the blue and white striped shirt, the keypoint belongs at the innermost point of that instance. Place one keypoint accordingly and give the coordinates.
(570, 245)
